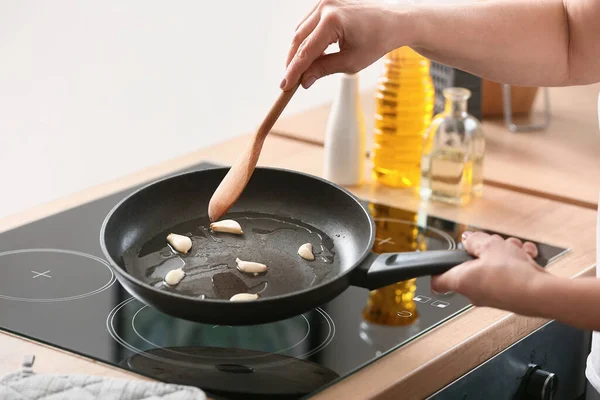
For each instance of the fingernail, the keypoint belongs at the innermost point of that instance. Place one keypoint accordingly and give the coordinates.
(308, 82)
(283, 83)
(466, 235)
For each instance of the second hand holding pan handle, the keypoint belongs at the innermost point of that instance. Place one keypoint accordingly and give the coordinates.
(379, 270)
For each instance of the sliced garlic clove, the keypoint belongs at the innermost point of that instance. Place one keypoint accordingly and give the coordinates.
(174, 276)
(305, 251)
(228, 226)
(180, 243)
(244, 297)
(250, 267)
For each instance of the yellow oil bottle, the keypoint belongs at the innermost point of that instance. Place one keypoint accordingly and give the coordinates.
(404, 109)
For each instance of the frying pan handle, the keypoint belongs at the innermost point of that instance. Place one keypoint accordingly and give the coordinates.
(386, 269)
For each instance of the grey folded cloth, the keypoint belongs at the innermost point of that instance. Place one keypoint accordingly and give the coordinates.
(26, 385)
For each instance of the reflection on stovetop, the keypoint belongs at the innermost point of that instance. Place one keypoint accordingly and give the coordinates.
(225, 359)
(57, 289)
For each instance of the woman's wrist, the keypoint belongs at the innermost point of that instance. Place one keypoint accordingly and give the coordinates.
(413, 25)
(570, 301)
(405, 31)
(555, 297)
(541, 291)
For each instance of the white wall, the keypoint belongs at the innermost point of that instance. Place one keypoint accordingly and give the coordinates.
(91, 91)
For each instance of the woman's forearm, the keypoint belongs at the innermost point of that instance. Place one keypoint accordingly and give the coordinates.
(571, 301)
(523, 42)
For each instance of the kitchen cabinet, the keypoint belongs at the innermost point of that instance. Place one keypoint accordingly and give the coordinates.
(547, 364)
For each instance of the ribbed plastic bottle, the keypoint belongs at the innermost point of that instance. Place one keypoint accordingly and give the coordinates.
(404, 109)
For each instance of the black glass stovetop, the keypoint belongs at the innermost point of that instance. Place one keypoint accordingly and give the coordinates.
(56, 288)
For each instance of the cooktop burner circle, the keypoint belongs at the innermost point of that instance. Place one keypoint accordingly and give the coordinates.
(52, 275)
(144, 330)
(436, 239)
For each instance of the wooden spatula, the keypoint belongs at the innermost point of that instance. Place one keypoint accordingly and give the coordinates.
(232, 186)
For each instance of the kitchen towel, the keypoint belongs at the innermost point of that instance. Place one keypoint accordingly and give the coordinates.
(26, 385)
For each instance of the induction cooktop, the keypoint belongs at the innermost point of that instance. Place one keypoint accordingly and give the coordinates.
(56, 288)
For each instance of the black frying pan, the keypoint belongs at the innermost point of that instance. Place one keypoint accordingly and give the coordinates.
(279, 210)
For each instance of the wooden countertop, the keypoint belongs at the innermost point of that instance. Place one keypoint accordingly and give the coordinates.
(561, 162)
(417, 369)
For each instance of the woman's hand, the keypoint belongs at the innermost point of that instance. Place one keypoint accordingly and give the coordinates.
(364, 29)
(504, 274)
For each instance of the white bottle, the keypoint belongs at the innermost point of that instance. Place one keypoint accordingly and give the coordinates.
(345, 136)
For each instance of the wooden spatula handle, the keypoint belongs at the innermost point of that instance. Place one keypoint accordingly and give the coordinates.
(239, 174)
(275, 111)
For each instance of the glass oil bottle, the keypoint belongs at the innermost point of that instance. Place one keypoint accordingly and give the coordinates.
(404, 108)
(453, 153)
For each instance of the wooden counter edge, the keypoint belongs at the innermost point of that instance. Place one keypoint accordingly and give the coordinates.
(45, 360)
(40, 350)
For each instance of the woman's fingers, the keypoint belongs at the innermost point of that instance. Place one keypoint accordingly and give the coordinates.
(515, 241)
(530, 249)
(449, 281)
(305, 29)
(310, 49)
(326, 65)
(476, 243)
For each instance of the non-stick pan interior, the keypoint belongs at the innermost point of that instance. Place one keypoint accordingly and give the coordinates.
(278, 211)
